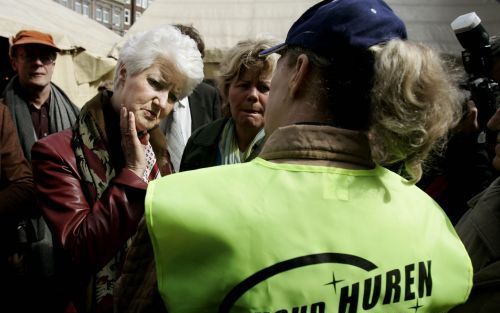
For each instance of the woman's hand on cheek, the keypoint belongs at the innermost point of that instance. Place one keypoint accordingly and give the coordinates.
(133, 149)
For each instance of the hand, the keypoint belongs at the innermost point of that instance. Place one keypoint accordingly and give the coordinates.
(133, 148)
(469, 123)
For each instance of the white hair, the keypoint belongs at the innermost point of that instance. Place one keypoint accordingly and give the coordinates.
(143, 49)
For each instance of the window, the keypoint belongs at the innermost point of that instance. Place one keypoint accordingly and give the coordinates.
(86, 9)
(117, 17)
(142, 3)
(64, 2)
(126, 17)
(98, 14)
(105, 15)
(78, 6)
(127, 1)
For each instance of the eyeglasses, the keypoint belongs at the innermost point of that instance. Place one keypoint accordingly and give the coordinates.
(32, 55)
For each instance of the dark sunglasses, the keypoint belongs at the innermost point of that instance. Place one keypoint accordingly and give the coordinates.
(32, 54)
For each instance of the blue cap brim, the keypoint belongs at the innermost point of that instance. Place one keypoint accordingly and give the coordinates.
(274, 49)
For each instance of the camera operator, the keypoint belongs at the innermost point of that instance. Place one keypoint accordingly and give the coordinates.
(479, 227)
(465, 168)
(478, 59)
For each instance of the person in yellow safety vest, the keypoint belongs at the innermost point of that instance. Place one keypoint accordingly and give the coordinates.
(316, 223)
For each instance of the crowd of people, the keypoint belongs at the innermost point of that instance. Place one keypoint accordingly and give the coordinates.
(298, 183)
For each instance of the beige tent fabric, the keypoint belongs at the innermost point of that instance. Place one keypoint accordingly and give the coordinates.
(222, 23)
(84, 61)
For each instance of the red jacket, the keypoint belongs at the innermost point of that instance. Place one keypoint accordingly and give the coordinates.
(91, 231)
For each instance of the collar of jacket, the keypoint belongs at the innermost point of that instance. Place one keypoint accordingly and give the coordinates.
(208, 135)
(309, 143)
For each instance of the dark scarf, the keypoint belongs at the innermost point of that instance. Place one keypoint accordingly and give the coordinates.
(62, 113)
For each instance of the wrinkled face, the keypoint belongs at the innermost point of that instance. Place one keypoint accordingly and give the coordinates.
(150, 95)
(34, 65)
(494, 124)
(247, 97)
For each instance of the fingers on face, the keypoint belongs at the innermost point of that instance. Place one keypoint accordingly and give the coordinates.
(123, 120)
(131, 122)
(127, 122)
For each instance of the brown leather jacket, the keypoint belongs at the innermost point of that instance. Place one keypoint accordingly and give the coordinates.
(16, 182)
(16, 185)
(91, 231)
(16, 201)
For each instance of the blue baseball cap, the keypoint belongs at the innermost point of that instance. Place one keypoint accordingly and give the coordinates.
(335, 27)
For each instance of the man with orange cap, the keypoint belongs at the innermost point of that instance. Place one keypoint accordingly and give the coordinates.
(39, 108)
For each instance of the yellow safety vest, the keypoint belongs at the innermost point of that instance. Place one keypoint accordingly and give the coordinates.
(286, 238)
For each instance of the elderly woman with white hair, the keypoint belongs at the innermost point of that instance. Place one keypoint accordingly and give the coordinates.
(91, 179)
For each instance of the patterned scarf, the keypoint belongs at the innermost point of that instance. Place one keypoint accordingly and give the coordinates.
(228, 145)
(97, 169)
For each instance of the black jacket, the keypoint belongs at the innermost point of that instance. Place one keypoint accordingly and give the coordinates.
(202, 147)
(485, 295)
(479, 230)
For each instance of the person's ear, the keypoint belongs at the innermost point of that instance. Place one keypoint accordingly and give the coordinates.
(298, 79)
(122, 76)
(122, 73)
(13, 63)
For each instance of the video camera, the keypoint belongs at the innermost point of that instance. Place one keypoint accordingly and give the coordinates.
(478, 61)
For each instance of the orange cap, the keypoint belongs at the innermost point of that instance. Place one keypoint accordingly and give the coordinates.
(24, 37)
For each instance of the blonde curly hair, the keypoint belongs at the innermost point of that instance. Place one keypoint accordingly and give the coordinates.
(244, 55)
(401, 93)
(415, 101)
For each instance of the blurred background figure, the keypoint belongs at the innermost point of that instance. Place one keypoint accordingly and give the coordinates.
(244, 82)
(461, 168)
(39, 108)
(17, 199)
(202, 106)
(91, 179)
(464, 169)
(479, 227)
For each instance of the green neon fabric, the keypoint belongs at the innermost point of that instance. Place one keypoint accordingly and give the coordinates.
(211, 229)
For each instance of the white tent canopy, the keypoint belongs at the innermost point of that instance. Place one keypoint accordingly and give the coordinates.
(222, 23)
(84, 61)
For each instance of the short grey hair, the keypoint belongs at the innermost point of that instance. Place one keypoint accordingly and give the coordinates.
(143, 49)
